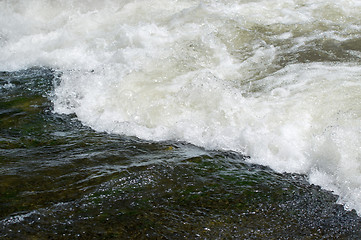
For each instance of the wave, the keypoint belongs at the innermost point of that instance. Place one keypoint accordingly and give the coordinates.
(278, 81)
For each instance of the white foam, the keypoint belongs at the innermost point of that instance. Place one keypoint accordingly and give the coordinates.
(205, 74)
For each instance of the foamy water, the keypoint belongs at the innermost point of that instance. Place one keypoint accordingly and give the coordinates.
(279, 81)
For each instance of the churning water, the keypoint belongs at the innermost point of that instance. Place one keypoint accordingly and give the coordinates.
(278, 81)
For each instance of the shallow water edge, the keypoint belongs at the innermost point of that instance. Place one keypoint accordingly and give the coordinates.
(60, 179)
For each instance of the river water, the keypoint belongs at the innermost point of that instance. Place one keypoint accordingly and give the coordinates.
(180, 119)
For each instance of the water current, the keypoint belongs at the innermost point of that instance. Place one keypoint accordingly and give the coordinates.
(180, 119)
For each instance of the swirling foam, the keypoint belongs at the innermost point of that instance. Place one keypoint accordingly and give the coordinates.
(238, 75)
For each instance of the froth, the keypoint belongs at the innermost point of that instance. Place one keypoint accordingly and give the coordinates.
(229, 76)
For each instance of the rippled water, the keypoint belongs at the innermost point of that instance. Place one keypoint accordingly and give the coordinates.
(180, 119)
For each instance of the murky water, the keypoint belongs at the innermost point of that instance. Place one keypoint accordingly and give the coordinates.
(180, 119)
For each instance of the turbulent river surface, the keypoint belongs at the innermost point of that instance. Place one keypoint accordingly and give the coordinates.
(130, 119)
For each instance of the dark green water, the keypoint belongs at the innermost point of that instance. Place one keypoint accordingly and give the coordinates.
(61, 180)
